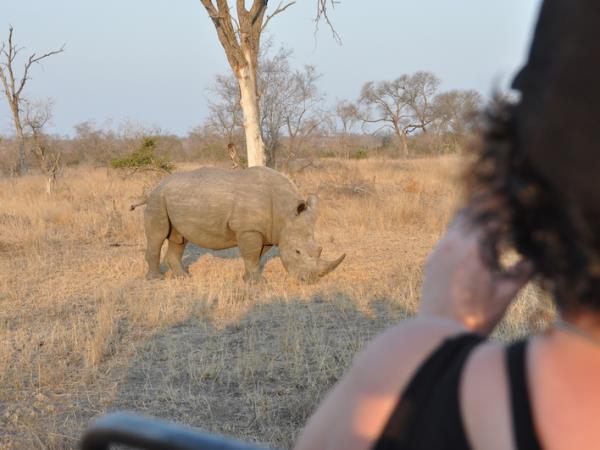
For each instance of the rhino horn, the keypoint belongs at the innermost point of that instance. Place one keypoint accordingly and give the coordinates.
(324, 267)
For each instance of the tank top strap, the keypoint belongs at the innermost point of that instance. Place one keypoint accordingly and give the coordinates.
(428, 413)
(522, 413)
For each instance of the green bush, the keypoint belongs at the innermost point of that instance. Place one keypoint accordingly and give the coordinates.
(143, 158)
(327, 153)
(362, 153)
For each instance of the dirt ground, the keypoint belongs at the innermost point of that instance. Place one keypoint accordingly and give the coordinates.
(83, 333)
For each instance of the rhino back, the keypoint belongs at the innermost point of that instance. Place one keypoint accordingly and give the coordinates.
(210, 206)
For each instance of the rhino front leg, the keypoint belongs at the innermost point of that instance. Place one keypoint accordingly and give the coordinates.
(264, 251)
(175, 252)
(251, 246)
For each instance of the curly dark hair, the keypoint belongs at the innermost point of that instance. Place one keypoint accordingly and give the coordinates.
(533, 216)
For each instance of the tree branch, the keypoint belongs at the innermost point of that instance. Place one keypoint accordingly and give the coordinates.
(222, 20)
(280, 8)
(212, 11)
(257, 9)
(323, 15)
(2, 74)
(10, 56)
(33, 60)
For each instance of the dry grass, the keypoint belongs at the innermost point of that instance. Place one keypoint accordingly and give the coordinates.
(82, 333)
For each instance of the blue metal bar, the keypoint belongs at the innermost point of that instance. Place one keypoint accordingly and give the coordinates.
(153, 434)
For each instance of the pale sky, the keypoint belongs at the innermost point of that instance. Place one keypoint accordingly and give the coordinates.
(151, 61)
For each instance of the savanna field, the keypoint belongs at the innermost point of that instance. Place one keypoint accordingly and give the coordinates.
(83, 333)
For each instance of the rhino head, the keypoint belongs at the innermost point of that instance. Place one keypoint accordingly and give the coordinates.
(300, 254)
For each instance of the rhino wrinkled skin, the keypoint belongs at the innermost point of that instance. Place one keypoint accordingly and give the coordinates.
(253, 209)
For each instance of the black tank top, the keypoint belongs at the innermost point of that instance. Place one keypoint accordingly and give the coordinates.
(428, 414)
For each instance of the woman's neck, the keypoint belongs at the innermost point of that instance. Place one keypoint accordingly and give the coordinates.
(582, 326)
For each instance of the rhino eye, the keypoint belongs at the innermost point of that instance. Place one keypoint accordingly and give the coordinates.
(298, 251)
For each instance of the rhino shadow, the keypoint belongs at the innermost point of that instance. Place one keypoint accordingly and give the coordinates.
(259, 377)
(193, 253)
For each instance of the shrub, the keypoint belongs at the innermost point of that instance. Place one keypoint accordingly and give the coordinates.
(327, 153)
(362, 153)
(144, 158)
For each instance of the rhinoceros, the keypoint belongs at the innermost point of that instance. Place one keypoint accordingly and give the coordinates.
(253, 209)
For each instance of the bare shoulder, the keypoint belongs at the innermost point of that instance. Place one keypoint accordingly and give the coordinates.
(484, 399)
(354, 413)
(402, 348)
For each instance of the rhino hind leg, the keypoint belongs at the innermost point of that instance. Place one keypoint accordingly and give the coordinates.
(153, 245)
(175, 252)
(251, 247)
(156, 223)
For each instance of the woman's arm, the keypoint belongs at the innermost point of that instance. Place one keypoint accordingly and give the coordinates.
(353, 414)
(460, 293)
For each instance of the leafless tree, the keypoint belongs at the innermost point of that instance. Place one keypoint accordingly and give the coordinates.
(94, 143)
(225, 118)
(36, 116)
(240, 35)
(303, 116)
(13, 86)
(420, 90)
(402, 105)
(275, 88)
(289, 104)
(347, 115)
(457, 110)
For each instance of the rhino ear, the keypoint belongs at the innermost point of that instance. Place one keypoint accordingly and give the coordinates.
(301, 207)
(312, 201)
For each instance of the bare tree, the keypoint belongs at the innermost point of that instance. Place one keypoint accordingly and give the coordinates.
(303, 116)
(240, 38)
(402, 105)
(383, 103)
(13, 86)
(275, 88)
(419, 90)
(457, 110)
(347, 116)
(226, 117)
(95, 143)
(289, 104)
(36, 116)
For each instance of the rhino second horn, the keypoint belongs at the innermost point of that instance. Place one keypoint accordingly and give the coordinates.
(324, 267)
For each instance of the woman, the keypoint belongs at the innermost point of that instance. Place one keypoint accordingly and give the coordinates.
(435, 382)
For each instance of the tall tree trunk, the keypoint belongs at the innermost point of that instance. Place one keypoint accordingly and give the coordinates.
(401, 135)
(241, 44)
(233, 155)
(404, 140)
(255, 146)
(22, 162)
(22, 167)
